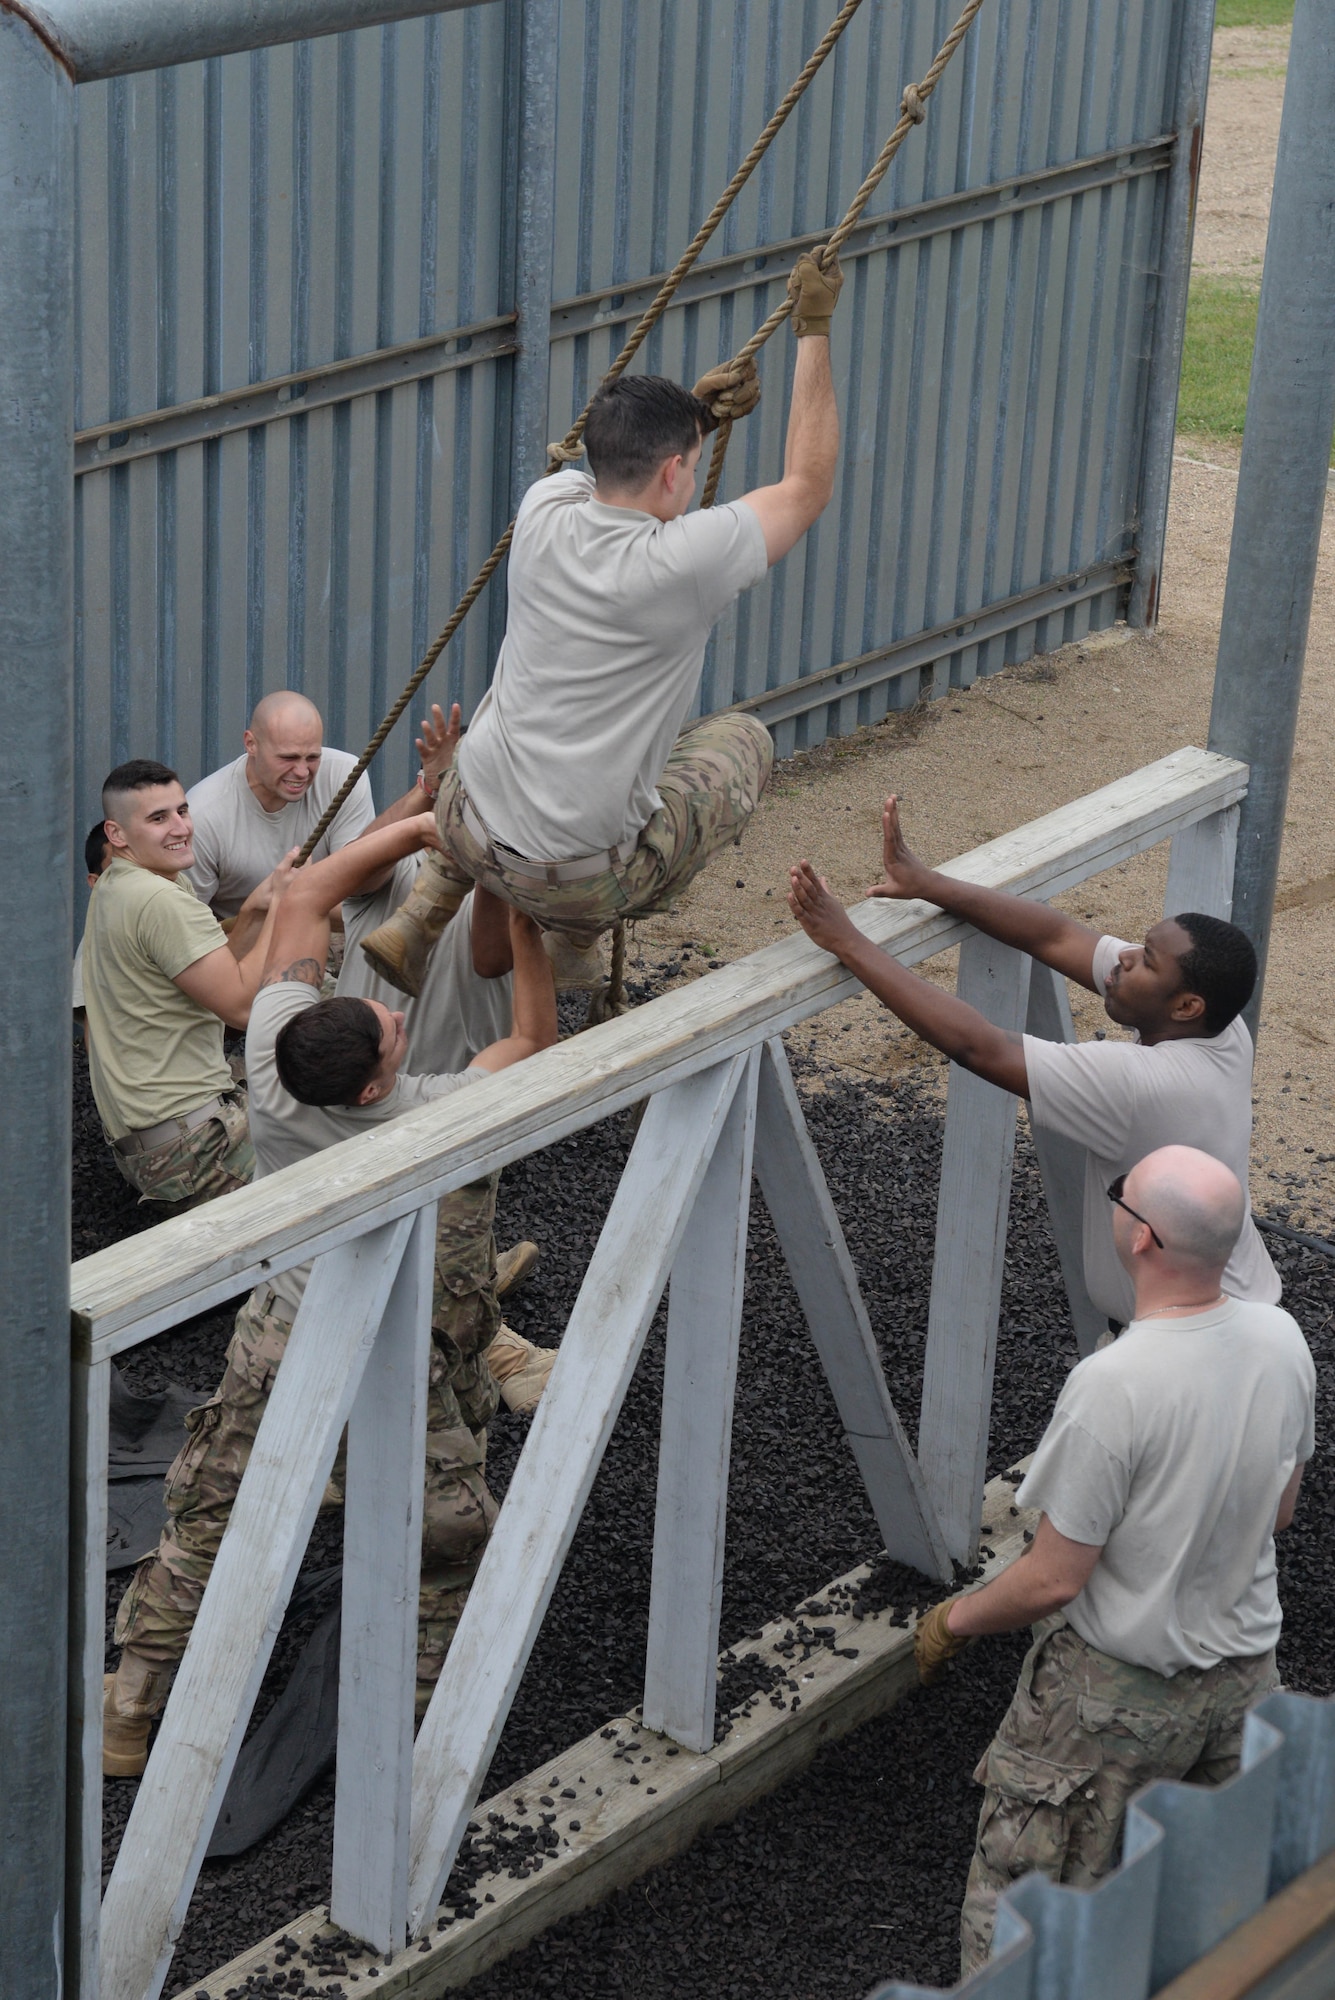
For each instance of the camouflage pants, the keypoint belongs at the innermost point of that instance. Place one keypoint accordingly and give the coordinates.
(711, 786)
(1083, 1733)
(213, 1159)
(159, 1608)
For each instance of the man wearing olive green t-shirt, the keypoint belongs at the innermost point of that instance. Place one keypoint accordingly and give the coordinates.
(160, 982)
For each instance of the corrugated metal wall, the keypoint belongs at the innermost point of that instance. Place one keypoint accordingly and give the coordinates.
(342, 210)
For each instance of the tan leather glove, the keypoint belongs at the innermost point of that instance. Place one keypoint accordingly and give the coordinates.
(934, 1643)
(814, 294)
(731, 390)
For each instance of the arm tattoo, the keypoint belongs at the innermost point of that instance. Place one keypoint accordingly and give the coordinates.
(308, 970)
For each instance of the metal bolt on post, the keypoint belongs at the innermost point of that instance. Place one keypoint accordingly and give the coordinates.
(1282, 479)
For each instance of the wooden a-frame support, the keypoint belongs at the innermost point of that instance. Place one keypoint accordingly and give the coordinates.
(358, 1355)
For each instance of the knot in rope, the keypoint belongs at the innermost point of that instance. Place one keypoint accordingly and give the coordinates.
(912, 105)
(561, 453)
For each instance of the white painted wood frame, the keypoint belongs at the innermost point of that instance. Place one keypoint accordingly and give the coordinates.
(1062, 1163)
(546, 1496)
(1200, 866)
(90, 1409)
(131, 1290)
(821, 1269)
(382, 1547)
(970, 1252)
(181, 1792)
(695, 1437)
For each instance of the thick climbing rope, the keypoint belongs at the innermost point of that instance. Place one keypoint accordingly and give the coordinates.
(559, 455)
(912, 111)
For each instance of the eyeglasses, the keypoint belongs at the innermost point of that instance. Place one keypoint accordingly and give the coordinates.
(1114, 1193)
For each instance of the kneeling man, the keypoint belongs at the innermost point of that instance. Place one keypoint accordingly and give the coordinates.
(321, 1071)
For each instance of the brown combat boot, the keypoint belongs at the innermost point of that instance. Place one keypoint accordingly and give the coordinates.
(132, 1700)
(514, 1267)
(519, 1368)
(400, 949)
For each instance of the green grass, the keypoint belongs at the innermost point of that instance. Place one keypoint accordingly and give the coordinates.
(1253, 13)
(1217, 357)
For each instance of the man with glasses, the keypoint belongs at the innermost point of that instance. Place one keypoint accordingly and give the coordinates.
(1172, 1459)
(1186, 1078)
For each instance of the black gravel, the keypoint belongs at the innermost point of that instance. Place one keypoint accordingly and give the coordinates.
(853, 1872)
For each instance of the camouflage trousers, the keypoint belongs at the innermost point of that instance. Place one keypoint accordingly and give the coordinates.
(213, 1159)
(711, 786)
(1084, 1732)
(159, 1608)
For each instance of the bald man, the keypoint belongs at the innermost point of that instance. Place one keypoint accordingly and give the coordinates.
(270, 799)
(1172, 1460)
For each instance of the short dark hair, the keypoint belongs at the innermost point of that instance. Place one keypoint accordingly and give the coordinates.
(1221, 967)
(95, 848)
(329, 1053)
(635, 423)
(137, 776)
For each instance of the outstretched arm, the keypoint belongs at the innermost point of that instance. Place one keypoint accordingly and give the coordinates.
(787, 510)
(299, 943)
(436, 747)
(227, 980)
(948, 1023)
(533, 1022)
(1047, 935)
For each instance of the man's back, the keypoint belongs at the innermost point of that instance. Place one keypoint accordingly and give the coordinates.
(154, 1053)
(609, 612)
(1170, 1450)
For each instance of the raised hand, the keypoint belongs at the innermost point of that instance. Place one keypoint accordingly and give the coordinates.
(820, 913)
(731, 390)
(438, 742)
(903, 871)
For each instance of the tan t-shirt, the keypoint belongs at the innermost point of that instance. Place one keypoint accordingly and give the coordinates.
(1120, 1101)
(153, 1052)
(1169, 1450)
(282, 1131)
(237, 843)
(458, 1013)
(609, 612)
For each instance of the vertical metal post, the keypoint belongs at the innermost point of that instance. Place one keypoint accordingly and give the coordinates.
(1282, 479)
(535, 206)
(1170, 313)
(36, 723)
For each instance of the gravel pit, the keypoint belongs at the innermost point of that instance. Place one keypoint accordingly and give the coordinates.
(853, 1872)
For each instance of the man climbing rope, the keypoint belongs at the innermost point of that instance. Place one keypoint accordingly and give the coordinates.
(577, 795)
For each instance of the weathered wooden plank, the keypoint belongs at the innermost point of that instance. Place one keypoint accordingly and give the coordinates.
(812, 1240)
(970, 1251)
(695, 1437)
(182, 1790)
(631, 1828)
(556, 1469)
(129, 1291)
(382, 1545)
(90, 1400)
(1200, 866)
(1062, 1163)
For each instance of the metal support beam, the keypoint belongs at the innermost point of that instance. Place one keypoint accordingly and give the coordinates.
(1170, 306)
(97, 38)
(534, 207)
(36, 732)
(1282, 479)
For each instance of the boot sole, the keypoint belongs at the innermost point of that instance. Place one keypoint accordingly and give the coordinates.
(390, 970)
(519, 1273)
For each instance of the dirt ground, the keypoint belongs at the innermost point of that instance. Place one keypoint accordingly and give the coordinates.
(1017, 745)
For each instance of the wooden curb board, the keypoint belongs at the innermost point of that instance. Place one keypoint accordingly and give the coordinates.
(655, 1797)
